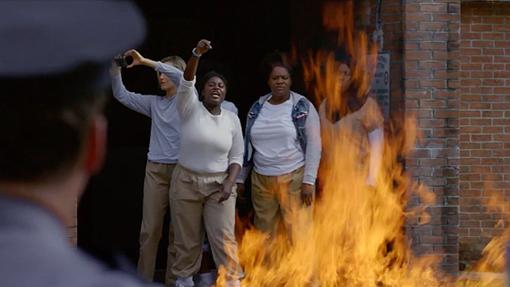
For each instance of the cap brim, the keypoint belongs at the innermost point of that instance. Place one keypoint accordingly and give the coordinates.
(48, 37)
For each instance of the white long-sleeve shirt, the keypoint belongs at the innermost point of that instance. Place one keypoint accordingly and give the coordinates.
(209, 143)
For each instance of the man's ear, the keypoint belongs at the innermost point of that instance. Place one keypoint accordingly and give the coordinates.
(95, 146)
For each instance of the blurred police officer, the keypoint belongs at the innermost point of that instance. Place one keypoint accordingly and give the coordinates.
(53, 59)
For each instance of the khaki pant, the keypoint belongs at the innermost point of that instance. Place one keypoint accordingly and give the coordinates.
(156, 196)
(195, 209)
(277, 198)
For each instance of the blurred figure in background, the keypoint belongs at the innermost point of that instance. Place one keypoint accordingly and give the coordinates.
(53, 66)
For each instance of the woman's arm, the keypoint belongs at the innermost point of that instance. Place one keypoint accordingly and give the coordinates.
(170, 71)
(191, 68)
(376, 143)
(187, 95)
(228, 183)
(373, 121)
(136, 102)
(313, 146)
(235, 159)
(139, 60)
(312, 156)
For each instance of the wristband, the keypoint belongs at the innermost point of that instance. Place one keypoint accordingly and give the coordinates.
(195, 53)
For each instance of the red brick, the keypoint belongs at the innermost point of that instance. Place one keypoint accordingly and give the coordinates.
(502, 59)
(470, 82)
(493, 36)
(439, 84)
(471, 36)
(493, 20)
(501, 28)
(501, 44)
(432, 26)
(432, 104)
(482, 44)
(471, 66)
(481, 59)
(492, 52)
(480, 28)
(418, 55)
(505, 74)
(433, 64)
(482, 74)
(493, 82)
(500, 67)
(433, 7)
(492, 114)
(433, 45)
(471, 52)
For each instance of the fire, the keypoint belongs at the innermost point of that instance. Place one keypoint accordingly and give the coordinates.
(488, 271)
(358, 235)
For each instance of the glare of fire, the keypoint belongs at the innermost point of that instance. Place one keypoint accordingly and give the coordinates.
(489, 270)
(358, 235)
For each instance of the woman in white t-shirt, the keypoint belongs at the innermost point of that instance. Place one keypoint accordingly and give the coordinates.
(283, 146)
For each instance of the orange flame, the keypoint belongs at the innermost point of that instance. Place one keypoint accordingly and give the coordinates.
(358, 233)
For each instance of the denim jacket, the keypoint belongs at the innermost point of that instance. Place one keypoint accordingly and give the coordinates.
(302, 109)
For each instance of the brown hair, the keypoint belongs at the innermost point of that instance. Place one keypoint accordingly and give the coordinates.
(177, 61)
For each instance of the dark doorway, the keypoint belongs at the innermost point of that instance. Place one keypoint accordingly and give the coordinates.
(242, 32)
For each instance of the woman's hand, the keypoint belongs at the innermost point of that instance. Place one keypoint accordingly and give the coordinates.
(203, 46)
(138, 59)
(226, 190)
(307, 191)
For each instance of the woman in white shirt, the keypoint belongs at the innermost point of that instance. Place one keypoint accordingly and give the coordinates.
(203, 191)
(283, 146)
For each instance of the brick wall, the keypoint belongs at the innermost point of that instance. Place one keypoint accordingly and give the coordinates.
(484, 120)
(431, 41)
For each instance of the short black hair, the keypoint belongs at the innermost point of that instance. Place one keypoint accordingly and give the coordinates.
(273, 60)
(44, 121)
(209, 75)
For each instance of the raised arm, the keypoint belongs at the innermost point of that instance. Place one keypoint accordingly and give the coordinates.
(136, 102)
(191, 68)
(187, 95)
(139, 60)
(170, 71)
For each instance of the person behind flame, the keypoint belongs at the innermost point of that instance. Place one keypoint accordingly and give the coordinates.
(358, 118)
(283, 145)
(161, 159)
(203, 194)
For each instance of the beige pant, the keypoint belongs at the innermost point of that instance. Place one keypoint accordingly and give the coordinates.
(277, 198)
(194, 206)
(156, 196)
